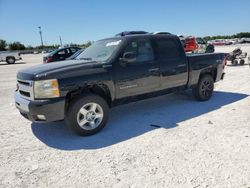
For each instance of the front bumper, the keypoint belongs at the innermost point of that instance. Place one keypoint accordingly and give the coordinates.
(40, 110)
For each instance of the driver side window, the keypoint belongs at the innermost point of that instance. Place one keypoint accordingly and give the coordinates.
(142, 49)
(62, 52)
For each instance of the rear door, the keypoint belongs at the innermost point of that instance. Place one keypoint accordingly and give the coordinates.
(173, 62)
(141, 76)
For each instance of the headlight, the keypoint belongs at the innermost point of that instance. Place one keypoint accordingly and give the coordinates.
(46, 89)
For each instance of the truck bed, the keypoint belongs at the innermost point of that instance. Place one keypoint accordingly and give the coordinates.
(201, 62)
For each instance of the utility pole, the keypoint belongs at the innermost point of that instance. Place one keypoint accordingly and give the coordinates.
(60, 40)
(40, 32)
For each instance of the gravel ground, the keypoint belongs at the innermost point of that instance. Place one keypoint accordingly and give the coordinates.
(199, 144)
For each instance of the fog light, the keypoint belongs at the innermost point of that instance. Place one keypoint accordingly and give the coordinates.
(41, 117)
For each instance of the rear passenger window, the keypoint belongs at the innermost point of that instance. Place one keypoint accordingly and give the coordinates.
(168, 49)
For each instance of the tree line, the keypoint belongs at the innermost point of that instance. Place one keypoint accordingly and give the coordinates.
(11, 46)
(238, 35)
(19, 46)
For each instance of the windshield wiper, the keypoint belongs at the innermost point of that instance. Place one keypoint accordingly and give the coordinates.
(85, 58)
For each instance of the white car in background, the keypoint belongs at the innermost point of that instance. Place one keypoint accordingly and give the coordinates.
(244, 40)
(10, 57)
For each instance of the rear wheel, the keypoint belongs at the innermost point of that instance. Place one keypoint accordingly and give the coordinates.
(242, 62)
(87, 115)
(204, 89)
(10, 60)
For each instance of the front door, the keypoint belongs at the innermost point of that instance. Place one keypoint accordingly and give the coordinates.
(142, 75)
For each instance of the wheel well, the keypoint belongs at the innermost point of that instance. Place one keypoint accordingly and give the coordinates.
(212, 72)
(10, 57)
(101, 90)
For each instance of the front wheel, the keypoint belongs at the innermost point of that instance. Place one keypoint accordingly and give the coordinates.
(10, 60)
(204, 89)
(87, 115)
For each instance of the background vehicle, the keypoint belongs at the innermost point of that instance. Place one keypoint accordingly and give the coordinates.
(196, 45)
(114, 71)
(217, 42)
(76, 54)
(60, 54)
(244, 40)
(189, 43)
(203, 46)
(237, 57)
(10, 57)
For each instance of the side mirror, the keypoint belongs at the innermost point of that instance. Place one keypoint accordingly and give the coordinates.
(128, 57)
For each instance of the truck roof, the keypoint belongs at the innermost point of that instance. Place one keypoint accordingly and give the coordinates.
(134, 34)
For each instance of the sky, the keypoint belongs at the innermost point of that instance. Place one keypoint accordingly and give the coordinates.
(79, 21)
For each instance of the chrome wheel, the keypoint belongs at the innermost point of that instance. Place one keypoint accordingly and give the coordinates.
(90, 116)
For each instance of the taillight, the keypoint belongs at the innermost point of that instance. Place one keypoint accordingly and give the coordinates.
(48, 60)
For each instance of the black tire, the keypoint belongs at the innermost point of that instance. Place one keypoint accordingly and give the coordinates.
(72, 114)
(10, 60)
(235, 62)
(204, 89)
(242, 62)
(210, 49)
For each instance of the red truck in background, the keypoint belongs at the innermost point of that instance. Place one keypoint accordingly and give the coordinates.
(196, 45)
(189, 43)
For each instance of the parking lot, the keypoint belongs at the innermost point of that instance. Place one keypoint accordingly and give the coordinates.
(198, 144)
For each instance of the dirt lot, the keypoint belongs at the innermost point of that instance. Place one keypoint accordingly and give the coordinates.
(200, 144)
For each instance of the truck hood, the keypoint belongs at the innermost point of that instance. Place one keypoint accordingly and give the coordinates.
(60, 69)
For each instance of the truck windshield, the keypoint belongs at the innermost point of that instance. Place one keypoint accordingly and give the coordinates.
(100, 50)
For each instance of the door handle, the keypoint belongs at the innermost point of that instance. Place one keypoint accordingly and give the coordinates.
(107, 66)
(154, 70)
(181, 65)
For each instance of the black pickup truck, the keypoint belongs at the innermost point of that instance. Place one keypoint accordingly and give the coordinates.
(118, 70)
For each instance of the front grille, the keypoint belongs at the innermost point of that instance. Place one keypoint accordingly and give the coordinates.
(23, 82)
(25, 88)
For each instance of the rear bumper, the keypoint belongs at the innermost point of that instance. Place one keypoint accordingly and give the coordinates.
(40, 110)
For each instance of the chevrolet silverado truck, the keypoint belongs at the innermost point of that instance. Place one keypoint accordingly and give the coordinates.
(111, 72)
(9, 57)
